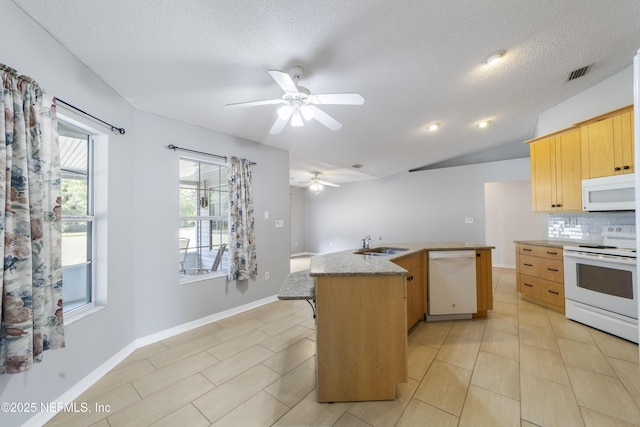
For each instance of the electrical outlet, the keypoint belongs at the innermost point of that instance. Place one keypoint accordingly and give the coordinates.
(266, 275)
(468, 220)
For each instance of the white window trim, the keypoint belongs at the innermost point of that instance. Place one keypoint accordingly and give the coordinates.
(187, 280)
(99, 243)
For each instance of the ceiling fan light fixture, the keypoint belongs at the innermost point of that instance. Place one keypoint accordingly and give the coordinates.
(284, 112)
(296, 119)
(316, 187)
(308, 111)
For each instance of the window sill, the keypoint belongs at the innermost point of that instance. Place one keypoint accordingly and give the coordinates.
(186, 280)
(80, 313)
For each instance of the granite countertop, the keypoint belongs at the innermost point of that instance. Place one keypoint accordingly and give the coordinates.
(298, 285)
(348, 263)
(551, 243)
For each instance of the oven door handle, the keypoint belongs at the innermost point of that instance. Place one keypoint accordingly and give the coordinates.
(594, 257)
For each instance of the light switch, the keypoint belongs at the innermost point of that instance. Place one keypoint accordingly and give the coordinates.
(266, 214)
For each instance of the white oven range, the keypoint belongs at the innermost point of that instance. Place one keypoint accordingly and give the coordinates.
(600, 283)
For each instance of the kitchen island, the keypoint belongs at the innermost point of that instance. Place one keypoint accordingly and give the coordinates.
(361, 305)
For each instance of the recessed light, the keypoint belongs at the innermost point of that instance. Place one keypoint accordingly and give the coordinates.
(433, 127)
(483, 124)
(495, 57)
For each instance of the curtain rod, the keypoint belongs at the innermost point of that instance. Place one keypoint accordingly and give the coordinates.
(113, 128)
(174, 148)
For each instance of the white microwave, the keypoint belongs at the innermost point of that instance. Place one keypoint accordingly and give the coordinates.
(609, 193)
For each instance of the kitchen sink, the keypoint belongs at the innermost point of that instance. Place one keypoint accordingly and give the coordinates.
(381, 251)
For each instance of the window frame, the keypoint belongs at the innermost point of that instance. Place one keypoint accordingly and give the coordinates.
(224, 218)
(93, 138)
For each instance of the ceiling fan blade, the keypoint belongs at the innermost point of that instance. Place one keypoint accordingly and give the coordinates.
(284, 80)
(338, 98)
(329, 184)
(254, 103)
(280, 123)
(327, 120)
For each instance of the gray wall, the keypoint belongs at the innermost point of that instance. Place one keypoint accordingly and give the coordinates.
(138, 220)
(298, 220)
(156, 219)
(608, 95)
(509, 218)
(424, 206)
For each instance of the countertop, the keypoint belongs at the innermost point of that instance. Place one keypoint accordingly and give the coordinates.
(551, 243)
(348, 263)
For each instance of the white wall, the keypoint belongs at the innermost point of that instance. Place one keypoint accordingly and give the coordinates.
(298, 220)
(424, 206)
(508, 218)
(93, 340)
(140, 193)
(608, 95)
(156, 217)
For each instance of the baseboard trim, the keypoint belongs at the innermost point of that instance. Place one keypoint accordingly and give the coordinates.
(83, 385)
(512, 267)
(301, 254)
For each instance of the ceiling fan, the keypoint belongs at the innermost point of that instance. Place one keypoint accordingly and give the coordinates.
(300, 104)
(317, 184)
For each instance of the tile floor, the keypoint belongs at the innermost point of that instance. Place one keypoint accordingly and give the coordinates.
(522, 366)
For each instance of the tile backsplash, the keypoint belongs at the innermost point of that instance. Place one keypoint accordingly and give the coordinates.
(585, 227)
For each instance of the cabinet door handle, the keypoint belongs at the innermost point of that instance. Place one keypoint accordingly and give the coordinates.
(617, 168)
(527, 249)
(627, 167)
(553, 292)
(552, 269)
(559, 206)
(552, 253)
(528, 265)
(528, 285)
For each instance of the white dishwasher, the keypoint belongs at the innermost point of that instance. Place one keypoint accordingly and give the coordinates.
(452, 285)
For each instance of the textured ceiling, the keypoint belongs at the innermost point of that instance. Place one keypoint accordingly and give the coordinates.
(415, 62)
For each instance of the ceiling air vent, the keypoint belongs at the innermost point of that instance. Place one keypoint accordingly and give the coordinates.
(578, 73)
(357, 166)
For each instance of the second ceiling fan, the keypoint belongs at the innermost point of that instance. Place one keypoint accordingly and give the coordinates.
(300, 104)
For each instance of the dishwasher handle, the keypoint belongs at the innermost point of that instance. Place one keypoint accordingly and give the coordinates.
(451, 254)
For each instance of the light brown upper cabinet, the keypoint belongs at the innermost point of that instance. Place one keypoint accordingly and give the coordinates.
(607, 144)
(556, 176)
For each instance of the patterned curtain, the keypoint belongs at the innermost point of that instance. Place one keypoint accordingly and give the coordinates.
(30, 239)
(242, 243)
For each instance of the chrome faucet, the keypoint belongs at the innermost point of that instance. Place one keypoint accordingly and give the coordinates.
(366, 240)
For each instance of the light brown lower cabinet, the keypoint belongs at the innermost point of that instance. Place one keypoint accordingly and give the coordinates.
(416, 286)
(361, 337)
(540, 275)
(484, 282)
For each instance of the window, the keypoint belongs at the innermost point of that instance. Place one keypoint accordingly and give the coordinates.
(76, 154)
(203, 229)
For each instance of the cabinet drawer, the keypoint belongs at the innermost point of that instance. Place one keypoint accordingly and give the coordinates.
(549, 269)
(541, 251)
(543, 290)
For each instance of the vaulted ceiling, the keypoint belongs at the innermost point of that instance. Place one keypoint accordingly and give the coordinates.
(416, 62)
